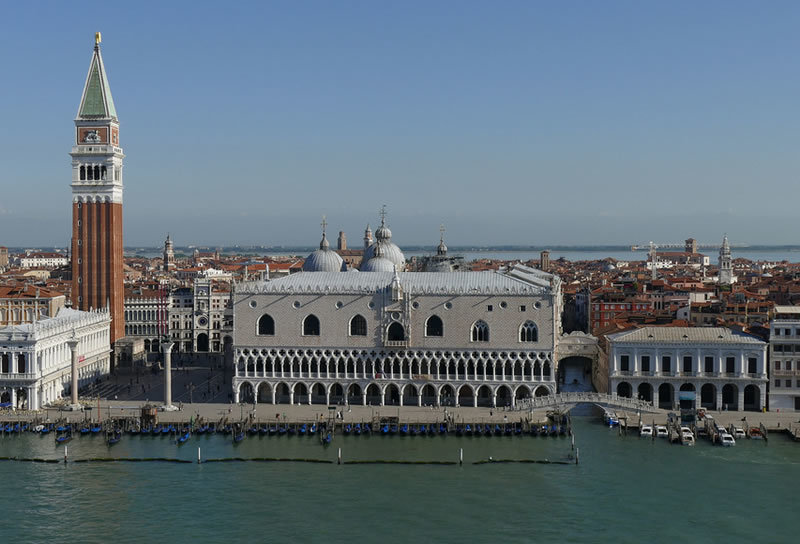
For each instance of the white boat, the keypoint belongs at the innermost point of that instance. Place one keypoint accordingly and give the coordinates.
(661, 431)
(687, 439)
(646, 431)
(738, 432)
(725, 439)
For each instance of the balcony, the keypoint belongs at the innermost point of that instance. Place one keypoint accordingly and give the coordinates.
(19, 376)
(396, 343)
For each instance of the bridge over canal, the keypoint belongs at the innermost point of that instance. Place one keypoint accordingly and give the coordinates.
(567, 401)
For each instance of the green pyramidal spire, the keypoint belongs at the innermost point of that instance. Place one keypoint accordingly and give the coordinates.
(96, 102)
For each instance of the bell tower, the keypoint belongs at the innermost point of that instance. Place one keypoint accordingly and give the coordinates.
(97, 275)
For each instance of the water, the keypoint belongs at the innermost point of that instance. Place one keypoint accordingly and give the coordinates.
(577, 254)
(624, 490)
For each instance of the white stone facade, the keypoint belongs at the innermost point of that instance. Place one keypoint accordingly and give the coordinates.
(419, 338)
(726, 370)
(35, 359)
(784, 346)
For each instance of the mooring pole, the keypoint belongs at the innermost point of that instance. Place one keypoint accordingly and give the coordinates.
(577, 455)
(65, 454)
(573, 441)
(339, 458)
(460, 456)
(198, 455)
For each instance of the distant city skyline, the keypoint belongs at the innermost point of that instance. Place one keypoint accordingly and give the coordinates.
(515, 124)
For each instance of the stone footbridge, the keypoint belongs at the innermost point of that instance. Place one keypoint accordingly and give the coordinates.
(568, 400)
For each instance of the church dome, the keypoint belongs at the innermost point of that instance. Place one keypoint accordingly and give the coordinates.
(378, 264)
(323, 259)
(383, 247)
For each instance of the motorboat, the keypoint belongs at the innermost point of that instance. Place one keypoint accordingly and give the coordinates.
(756, 434)
(738, 432)
(661, 431)
(646, 431)
(727, 440)
(687, 438)
(610, 418)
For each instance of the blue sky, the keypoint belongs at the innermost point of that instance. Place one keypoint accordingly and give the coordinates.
(509, 122)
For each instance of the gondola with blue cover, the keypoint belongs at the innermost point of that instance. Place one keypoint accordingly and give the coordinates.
(113, 437)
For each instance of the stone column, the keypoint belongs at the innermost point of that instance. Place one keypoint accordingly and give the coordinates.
(166, 349)
(73, 348)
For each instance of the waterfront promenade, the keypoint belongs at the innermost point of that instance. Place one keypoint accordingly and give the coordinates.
(266, 413)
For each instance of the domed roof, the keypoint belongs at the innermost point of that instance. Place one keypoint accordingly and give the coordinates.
(378, 264)
(383, 248)
(324, 259)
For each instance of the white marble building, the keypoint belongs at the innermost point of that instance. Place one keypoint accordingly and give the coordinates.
(725, 369)
(784, 347)
(399, 338)
(35, 359)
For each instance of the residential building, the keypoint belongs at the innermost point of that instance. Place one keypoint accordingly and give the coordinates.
(27, 303)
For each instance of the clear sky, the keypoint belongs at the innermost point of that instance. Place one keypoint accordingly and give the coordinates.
(510, 122)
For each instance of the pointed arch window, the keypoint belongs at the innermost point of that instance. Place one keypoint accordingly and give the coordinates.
(311, 325)
(396, 332)
(528, 332)
(358, 326)
(266, 325)
(480, 331)
(434, 326)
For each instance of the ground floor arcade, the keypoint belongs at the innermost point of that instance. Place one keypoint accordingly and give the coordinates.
(736, 395)
(386, 392)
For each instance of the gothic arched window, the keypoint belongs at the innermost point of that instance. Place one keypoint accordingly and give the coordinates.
(266, 325)
(528, 332)
(434, 326)
(480, 331)
(358, 326)
(396, 332)
(311, 325)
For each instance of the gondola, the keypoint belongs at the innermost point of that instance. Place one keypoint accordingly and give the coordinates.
(45, 430)
(327, 439)
(313, 429)
(385, 429)
(404, 430)
(263, 429)
(347, 429)
(487, 430)
(145, 430)
(113, 437)
(509, 429)
(534, 430)
(133, 430)
(303, 429)
(182, 439)
(442, 428)
(64, 436)
(85, 430)
(468, 429)
(156, 430)
(273, 429)
(518, 428)
(291, 429)
(367, 428)
(393, 429)
(96, 429)
(238, 437)
(357, 429)
(282, 429)
(252, 430)
(498, 430)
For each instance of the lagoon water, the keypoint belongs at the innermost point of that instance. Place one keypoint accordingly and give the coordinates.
(625, 489)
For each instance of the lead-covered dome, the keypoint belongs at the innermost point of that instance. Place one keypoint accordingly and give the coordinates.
(323, 259)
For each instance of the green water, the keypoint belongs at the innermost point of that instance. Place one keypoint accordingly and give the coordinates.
(624, 490)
